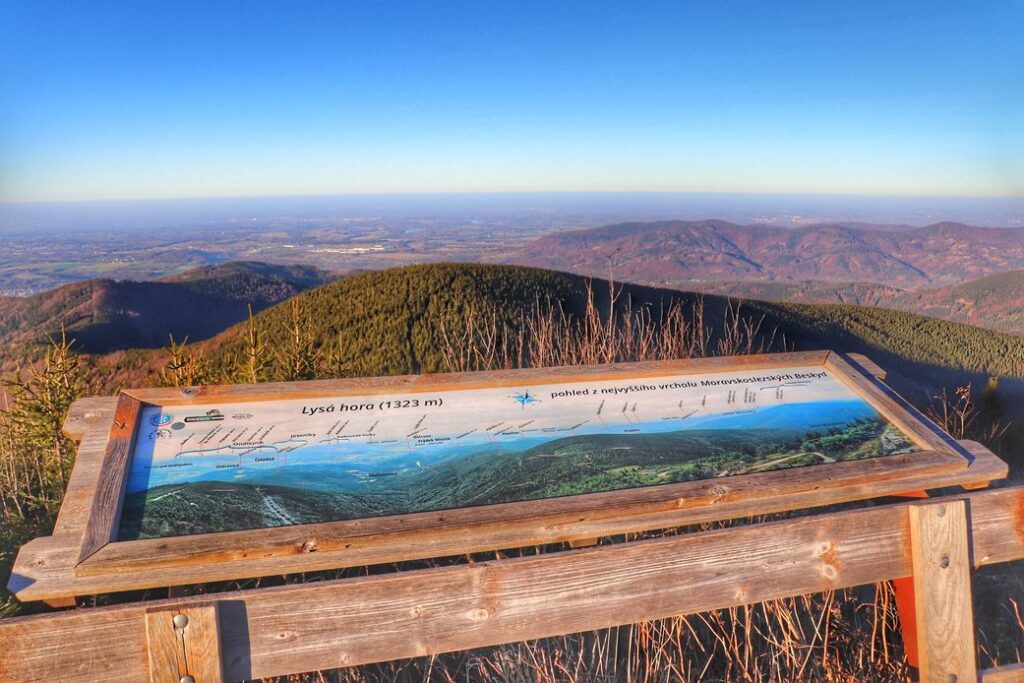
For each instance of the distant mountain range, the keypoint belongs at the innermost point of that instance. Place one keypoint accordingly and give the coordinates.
(672, 253)
(107, 315)
(947, 270)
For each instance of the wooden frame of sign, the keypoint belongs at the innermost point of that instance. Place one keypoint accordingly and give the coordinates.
(84, 557)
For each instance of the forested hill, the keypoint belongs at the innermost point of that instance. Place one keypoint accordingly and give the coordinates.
(996, 302)
(106, 315)
(394, 321)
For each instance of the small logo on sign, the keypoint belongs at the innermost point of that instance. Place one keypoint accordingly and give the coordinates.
(210, 416)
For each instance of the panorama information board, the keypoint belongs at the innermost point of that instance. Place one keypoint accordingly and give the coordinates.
(222, 466)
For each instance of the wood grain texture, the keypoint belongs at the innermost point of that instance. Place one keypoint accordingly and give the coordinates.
(376, 540)
(191, 649)
(942, 592)
(166, 646)
(868, 365)
(86, 414)
(88, 421)
(105, 510)
(277, 631)
(45, 567)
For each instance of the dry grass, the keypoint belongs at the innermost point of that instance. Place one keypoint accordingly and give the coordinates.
(830, 637)
(549, 337)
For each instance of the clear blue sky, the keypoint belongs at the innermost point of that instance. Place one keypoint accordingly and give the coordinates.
(178, 99)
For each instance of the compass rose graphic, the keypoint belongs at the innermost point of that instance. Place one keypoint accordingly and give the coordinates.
(524, 398)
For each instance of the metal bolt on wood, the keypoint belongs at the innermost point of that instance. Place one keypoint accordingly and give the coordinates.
(187, 679)
(180, 620)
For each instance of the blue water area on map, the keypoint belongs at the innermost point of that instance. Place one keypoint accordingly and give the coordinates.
(349, 465)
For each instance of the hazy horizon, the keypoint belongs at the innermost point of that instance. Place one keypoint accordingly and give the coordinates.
(588, 208)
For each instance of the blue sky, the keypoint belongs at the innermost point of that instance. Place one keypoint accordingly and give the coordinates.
(177, 99)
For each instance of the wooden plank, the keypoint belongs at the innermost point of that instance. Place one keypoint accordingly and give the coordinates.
(61, 603)
(294, 628)
(88, 421)
(974, 451)
(1010, 673)
(87, 414)
(918, 428)
(184, 641)
(107, 497)
(869, 366)
(942, 592)
(357, 386)
(45, 567)
(164, 641)
(506, 525)
(77, 504)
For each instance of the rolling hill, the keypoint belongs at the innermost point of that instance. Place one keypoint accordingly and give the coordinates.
(675, 252)
(389, 322)
(107, 315)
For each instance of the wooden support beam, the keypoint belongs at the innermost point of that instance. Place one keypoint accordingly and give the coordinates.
(109, 495)
(295, 628)
(903, 590)
(942, 592)
(870, 366)
(184, 644)
(61, 603)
